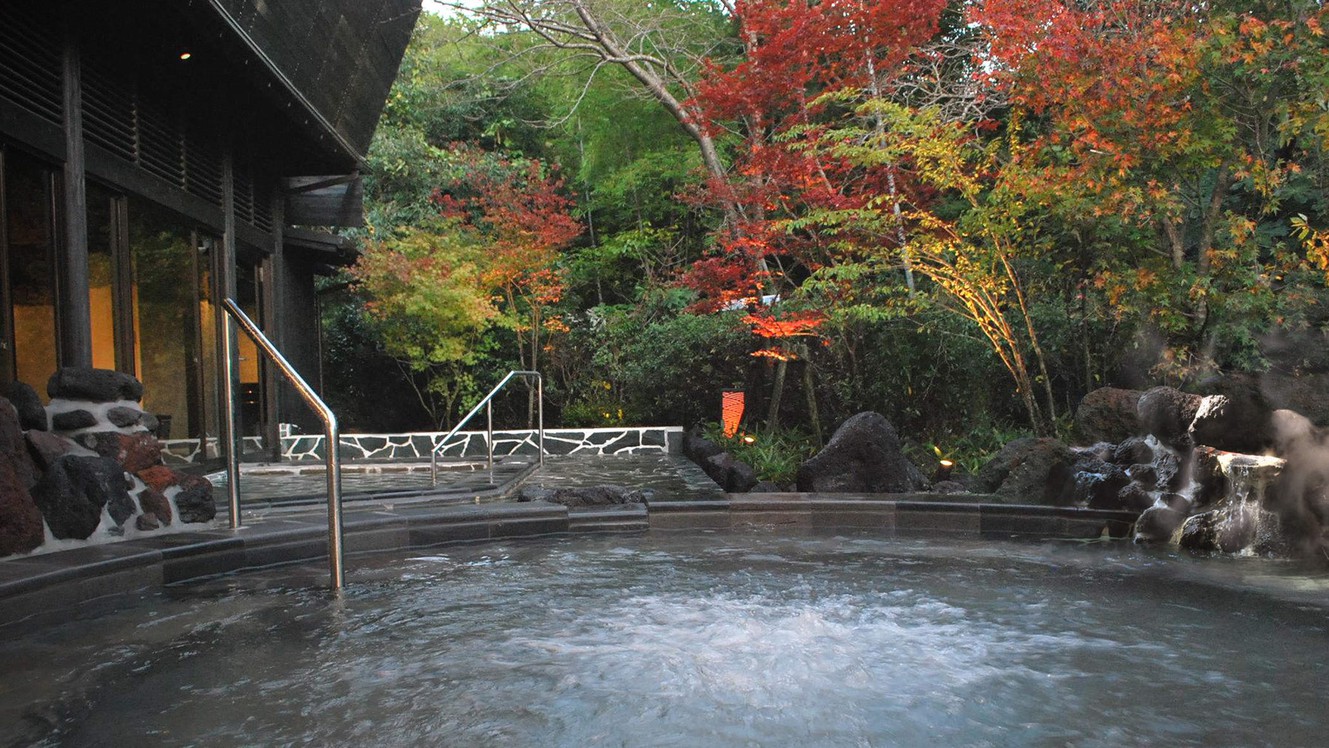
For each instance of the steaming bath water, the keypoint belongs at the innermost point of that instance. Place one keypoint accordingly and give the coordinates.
(692, 641)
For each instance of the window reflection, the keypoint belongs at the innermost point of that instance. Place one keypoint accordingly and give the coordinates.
(164, 303)
(29, 238)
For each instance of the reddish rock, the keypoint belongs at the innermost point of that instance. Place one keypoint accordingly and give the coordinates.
(1108, 414)
(147, 522)
(135, 451)
(159, 477)
(20, 519)
(154, 502)
(46, 447)
(13, 447)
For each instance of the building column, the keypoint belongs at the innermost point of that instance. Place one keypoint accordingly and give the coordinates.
(74, 323)
(273, 289)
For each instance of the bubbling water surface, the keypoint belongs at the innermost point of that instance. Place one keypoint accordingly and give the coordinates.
(695, 641)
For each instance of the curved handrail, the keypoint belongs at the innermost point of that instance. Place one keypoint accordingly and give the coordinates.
(486, 402)
(324, 413)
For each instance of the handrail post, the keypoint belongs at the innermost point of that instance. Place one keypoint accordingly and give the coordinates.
(231, 439)
(487, 403)
(330, 432)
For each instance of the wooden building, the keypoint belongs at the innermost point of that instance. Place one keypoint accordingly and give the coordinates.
(157, 155)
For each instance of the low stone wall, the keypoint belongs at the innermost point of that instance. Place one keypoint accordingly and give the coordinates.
(417, 446)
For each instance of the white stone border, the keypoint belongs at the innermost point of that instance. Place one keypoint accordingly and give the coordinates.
(418, 445)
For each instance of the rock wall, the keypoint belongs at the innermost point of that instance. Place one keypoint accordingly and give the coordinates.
(87, 465)
(1220, 472)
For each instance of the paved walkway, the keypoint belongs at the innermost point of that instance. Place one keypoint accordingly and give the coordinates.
(288, 485)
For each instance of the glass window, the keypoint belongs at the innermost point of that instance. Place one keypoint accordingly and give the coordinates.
(103, 228)
(251, 386)
(28, 284)
(164, 304)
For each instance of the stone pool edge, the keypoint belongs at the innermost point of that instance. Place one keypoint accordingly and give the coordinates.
(44, 585)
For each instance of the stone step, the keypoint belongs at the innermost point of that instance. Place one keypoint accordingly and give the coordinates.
(628, 518)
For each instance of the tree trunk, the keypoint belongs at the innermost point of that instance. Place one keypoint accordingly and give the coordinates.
(810, 391)
(777, 392)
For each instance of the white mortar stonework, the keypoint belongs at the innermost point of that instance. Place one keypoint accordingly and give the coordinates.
(418, 446)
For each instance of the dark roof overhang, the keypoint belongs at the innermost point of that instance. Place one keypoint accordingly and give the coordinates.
(320, 246)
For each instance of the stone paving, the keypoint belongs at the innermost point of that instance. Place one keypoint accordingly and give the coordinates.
(671, 477)
(268, 484)
(659, 476)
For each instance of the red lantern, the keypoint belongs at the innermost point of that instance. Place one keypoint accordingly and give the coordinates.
(731, 411)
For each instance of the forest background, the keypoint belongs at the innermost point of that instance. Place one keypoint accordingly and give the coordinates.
(963, 214)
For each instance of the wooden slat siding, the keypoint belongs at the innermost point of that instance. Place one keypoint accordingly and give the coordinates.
(30, 59)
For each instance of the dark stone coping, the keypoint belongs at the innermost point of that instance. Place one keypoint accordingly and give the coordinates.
(45, 584)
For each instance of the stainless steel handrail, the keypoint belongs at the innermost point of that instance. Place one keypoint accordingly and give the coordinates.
(487, 403)
(331, 457)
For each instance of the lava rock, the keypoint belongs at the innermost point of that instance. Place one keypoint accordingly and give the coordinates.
(31, 412)
(1200, 533)
(1098, 451)
(1031, 471)
(147, 522)
(1229, 425)
(13, 446)
(765, 486)
(73, 420)
(159, 477)
(96, 385)
(1293, 432)
(1234, 415)
(731, 473)
(1167, 413)
(155, 503)
(1253, 530)
(74, 490)
(1211, 484)
(698, 448)
(20, 519)
(46, 447)
(1171, 470)
(535, 493)
(124, 416)
(1135, 450)
(863, 456)
(194, 500)
(1098, 484)
(588, 496)
(1158, 523)
(1108, 414)
(134, 451)
(1133, 497)
(1144, 474)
